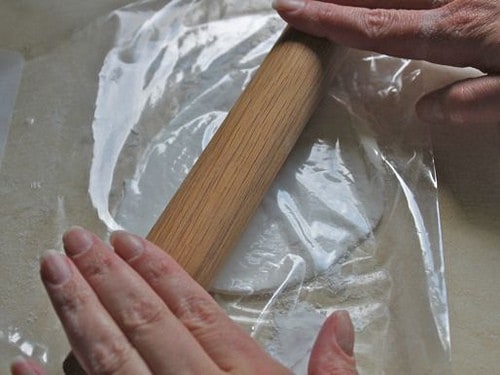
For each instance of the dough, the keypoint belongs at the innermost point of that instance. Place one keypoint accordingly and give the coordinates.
(327, 199)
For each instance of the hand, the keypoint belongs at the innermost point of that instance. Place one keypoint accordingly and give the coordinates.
(451, 32)
(134, 310)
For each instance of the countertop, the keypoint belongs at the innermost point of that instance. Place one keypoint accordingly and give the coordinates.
(468, 166)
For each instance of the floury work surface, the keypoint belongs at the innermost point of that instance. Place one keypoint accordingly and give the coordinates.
(118, 99)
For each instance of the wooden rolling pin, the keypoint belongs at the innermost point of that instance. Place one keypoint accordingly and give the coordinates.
(208, 214)
(212, 207)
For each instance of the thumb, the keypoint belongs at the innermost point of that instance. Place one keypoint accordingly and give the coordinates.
(471, 101)
(333, 351)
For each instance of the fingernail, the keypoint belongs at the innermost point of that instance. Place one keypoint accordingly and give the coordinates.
(127, 245)
(20, 366)
(436, 111)
(54, 267)
(288, 5)
(344, 332)
(77, 240)
(430, 109)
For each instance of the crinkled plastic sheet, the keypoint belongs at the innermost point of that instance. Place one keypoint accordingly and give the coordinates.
(111, 117)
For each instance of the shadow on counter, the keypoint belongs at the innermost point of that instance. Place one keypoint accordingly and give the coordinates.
(468, 163)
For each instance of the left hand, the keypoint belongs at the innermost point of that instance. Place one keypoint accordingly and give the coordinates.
(134, 310)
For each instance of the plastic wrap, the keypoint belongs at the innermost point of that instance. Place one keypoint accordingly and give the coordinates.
(11, 64)
(111, 116)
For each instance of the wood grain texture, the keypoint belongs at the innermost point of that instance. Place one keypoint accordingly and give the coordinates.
(221, 193)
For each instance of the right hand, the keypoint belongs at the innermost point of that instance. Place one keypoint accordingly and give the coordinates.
(451, 32)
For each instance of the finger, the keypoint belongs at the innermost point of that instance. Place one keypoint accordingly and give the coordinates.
(451, 34)
(471, 101)
(333, 351)
(358, 27)
(391, 4)
(23, 366)
(162, 341)
(96, 340)
(225, 342)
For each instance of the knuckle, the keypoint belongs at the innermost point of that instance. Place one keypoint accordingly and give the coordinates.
(155, 270)
(108, 358)
(324, 17)
(469, 20)
(142, 315)
(462, 24)
(97, 266)
(198, 313)
(472, 27)
(73, 299)
(378, 23)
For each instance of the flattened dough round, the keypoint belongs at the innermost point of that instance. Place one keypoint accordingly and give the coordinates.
(326, 200)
